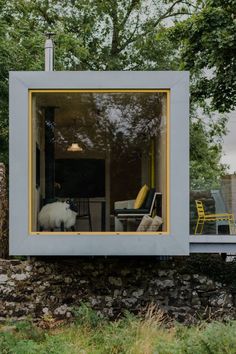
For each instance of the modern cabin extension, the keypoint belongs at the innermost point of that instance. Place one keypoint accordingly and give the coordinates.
(112, 149)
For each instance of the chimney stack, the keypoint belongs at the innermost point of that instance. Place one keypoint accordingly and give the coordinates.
(49, 52)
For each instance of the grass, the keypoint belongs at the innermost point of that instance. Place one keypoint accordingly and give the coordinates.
(88, 334)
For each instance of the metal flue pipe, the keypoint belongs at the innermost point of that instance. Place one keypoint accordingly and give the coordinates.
(49, 52)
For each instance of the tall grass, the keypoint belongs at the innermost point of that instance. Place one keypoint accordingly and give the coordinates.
(88, 334)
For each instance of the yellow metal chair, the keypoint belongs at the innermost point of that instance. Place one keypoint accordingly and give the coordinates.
(202, 218)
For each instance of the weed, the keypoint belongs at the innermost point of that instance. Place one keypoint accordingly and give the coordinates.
(146, 334)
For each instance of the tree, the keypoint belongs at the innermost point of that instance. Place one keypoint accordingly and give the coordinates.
(208, 42)
(206, 151)
(116, 35)
(90, 35)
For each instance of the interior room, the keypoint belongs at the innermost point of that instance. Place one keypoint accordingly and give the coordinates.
(101, 154)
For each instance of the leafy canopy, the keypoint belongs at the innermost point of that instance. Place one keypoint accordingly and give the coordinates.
(208, 44)
(90, 35)
(131, 35)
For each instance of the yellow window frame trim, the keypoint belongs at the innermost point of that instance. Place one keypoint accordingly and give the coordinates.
(30, 143)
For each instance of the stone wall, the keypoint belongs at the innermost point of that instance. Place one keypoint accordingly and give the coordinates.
(56, 286)
(3, 213)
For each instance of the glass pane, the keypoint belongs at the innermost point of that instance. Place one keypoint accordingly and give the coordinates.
(91, 154)
(213, 199)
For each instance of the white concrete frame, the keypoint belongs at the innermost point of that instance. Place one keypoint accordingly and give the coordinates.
(177, 242)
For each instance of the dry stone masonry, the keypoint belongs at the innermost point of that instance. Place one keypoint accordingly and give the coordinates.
(3, 213)
(57, 286)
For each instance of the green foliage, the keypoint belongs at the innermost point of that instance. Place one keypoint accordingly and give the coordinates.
(90, 35)
(30, 331)
(205, 152)
(214, 338)
(134, 335)
(206, 45)
(130, 35)
(208, 42)
(85, 316)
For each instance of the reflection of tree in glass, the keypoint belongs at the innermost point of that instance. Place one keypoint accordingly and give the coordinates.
(130, 120)
(117, 121)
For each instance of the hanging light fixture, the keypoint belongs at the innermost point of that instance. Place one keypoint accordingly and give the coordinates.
(74, 147)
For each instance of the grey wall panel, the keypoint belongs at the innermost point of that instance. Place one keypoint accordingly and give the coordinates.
(211, 247)
(177, 243)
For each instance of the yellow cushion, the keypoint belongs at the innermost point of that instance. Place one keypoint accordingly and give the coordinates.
(141, 197)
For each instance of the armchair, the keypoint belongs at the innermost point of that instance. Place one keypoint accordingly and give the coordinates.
(124, 210)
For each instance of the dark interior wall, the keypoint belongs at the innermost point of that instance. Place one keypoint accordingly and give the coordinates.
(79, 178)
(125, 172)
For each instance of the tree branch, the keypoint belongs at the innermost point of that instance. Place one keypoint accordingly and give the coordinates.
(129, 40)
(117, 47)
(132, 39)
(168, 13)
(115, 31)
(130, 9)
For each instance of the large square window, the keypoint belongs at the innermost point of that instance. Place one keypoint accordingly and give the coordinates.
(103, 156)
(99, 163)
